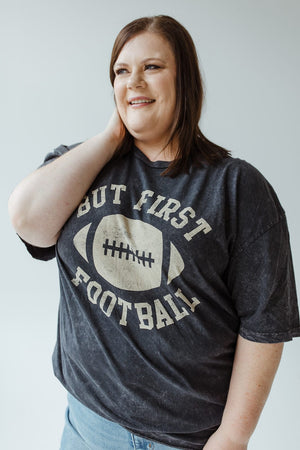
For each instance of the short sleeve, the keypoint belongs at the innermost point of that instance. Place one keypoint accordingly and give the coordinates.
(262, 284)
(47, 253)
(57, 152)
(41, 253)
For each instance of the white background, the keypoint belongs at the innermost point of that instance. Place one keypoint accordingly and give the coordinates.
(55, 89)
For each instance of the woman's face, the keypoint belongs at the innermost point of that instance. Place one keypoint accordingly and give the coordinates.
(145, 89)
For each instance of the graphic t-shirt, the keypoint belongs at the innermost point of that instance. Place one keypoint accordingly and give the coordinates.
(158, 276)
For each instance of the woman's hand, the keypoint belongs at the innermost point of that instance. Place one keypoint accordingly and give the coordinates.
(115, 129)
(221, 441)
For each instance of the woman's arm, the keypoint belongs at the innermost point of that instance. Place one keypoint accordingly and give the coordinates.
(253, 372)
(40, 205)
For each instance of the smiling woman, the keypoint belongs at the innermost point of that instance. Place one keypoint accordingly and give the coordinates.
(162, 37)
(177, 284)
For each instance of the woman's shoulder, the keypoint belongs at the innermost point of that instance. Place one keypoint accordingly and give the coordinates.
(235, 165)
(251, 194)
(241, 174)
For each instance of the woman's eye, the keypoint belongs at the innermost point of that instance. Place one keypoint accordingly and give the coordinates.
(151, 67)
(120, 71)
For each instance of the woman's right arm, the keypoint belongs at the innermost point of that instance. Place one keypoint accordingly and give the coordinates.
(40, 205)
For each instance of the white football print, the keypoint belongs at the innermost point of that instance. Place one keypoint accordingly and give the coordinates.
(128, 253)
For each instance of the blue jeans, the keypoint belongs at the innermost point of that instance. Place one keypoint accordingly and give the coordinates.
(86, 430)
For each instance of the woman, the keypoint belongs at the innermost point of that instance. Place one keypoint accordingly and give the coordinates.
(177, 286)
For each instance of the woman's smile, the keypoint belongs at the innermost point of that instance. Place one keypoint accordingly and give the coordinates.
(140, 101)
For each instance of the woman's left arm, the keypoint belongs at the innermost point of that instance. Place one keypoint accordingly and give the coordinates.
(254, 368)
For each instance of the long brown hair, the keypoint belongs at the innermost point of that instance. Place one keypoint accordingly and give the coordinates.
(194, 147)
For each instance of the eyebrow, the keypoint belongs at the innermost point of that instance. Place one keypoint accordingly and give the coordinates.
(153, 58)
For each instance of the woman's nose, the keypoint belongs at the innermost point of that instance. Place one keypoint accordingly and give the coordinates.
(135, 80)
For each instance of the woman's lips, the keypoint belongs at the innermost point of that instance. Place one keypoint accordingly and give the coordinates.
(140, 101)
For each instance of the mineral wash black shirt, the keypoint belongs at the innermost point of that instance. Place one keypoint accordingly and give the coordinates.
(158, 276)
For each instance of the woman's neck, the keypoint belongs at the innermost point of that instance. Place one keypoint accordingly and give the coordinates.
(157, 152)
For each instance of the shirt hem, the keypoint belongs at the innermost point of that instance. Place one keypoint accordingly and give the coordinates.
(270, 338)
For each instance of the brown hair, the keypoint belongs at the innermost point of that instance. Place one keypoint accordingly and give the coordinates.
(194, 147)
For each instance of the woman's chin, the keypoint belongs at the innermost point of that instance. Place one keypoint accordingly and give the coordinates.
(141, 134)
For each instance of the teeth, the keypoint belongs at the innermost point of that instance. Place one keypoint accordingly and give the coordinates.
(136, 102)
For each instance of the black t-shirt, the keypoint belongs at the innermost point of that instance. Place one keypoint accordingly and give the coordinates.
(158, 276)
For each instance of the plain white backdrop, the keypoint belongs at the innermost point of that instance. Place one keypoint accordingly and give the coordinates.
(55, 90)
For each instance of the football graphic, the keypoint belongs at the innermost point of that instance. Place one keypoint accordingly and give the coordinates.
(129, 253)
